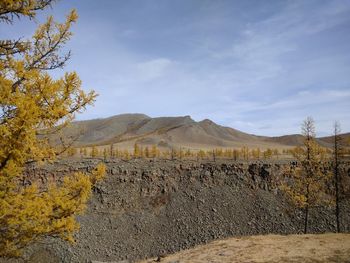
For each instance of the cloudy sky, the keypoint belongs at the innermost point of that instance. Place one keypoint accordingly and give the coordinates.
(257, 66)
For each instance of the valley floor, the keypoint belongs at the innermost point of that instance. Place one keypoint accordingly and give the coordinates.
(320, 248)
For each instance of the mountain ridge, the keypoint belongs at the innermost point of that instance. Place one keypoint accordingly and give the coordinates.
(125, 130)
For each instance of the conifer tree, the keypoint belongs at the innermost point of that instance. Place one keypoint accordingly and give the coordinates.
(137, 151)
(126, 155)
(181, 153)
(173, 154)
(117, 153)
(84, 152)
(256, 153)
(165, 154)
(337, 154)
(307, 185)
(267, 153)
(71, 151)
(244, 153)
(105, 154)
(111, 151)
(235, 154)
(201, 154)
(188, 153)
(94, 152)
(33, 103)
(214, 155)
(142, 152)
(147, 152)
(154, 151)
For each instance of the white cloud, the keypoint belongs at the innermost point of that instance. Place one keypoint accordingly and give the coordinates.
(152, 69)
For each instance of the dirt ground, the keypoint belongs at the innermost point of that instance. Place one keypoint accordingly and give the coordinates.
(268, 248)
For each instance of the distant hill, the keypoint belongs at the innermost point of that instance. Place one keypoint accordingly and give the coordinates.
(329, 139)
(172, 132)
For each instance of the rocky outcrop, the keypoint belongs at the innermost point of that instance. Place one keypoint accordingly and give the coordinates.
(146, 208)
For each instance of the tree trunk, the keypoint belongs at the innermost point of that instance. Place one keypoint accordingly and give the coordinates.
(306, 210)
(337, 205)
(336, 175)
(306, 219)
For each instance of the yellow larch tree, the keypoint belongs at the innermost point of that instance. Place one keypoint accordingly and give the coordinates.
(71, 151)
(306, 184)
(180, 153)
(201, 154)
(137, 151)
(147, 152)
(94, 152)
(235, 154)
(81, 152)
(111, 151)
(267, 154)
(126, 155)
(84, 152)
(154, 151)
(117, 153)
(188, 153)
(105, 153)
(256, 153)
(244, 153)
(33, 104)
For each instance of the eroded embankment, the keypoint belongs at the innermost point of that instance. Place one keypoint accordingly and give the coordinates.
(146, 208)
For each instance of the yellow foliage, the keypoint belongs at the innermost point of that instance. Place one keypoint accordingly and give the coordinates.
(71, 151)
(244, 153)
(126, 155)
(154, 151)
(147, 152)
(201, 154)
(256, 153)
(307, 183)
(111, 151)
(94, 152)
(29, 213)
(267, 153)
(235, 154)
(98, 173)
(105, 153)
(137, 151)
(32, 104)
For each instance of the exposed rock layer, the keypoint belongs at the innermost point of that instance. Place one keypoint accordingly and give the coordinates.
(146, 208)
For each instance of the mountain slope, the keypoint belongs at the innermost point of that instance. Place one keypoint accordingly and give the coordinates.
(127, 129)
(167, 132)
(98, 130)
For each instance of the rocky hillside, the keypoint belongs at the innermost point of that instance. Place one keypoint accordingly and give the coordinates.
(167, 132)
(171, 132)
(146, 208)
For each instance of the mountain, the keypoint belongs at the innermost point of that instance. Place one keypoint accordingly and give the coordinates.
(167, 132)
(329, 139)
(99, 130)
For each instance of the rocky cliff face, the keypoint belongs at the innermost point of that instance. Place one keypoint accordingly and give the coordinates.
(147, 208)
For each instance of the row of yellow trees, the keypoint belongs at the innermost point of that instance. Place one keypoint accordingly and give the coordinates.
(153, 151)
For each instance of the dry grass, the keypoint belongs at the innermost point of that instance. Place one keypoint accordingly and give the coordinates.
(270, 248)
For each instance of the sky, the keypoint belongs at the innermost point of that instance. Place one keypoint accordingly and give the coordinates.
(260, 67)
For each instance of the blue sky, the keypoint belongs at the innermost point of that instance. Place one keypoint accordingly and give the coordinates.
(257, 66)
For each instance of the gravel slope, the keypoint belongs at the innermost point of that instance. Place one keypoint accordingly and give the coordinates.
(147, 208)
